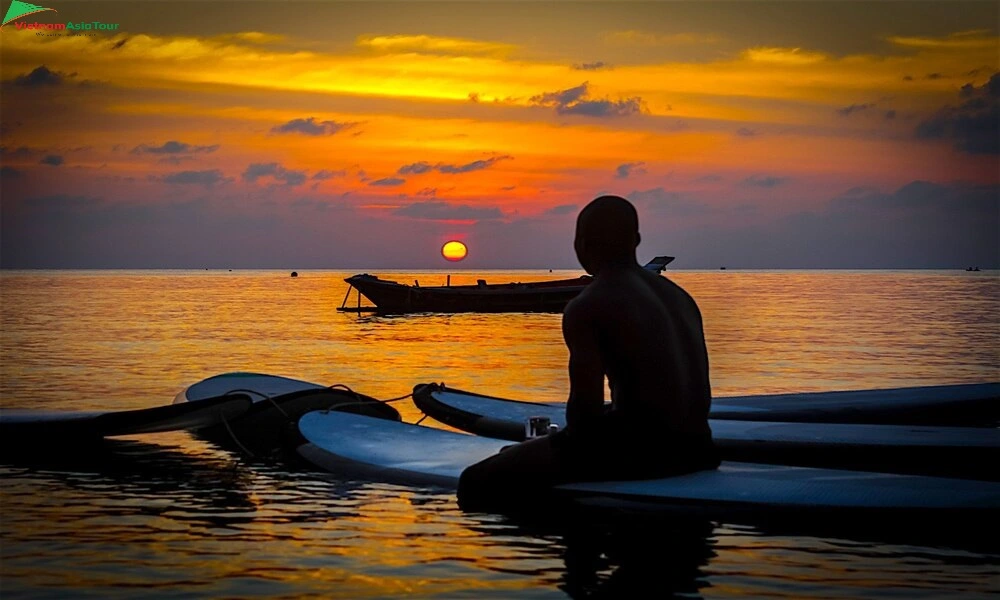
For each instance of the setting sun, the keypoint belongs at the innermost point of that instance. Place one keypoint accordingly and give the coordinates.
(454, 251)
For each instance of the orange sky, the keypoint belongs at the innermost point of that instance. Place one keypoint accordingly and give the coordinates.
(356, 134)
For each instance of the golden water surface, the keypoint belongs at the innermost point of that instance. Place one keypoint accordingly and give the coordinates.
(172, 515)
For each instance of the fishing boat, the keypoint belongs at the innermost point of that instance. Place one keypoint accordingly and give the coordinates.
(391, 297)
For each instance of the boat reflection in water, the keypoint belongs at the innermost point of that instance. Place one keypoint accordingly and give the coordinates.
(539, 296)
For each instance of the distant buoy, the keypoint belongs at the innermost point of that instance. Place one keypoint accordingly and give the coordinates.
(295, 274)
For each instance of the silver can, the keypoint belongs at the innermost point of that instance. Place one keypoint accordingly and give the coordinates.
(536, 427)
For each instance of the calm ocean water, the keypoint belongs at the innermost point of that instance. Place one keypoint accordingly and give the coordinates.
(169, 515)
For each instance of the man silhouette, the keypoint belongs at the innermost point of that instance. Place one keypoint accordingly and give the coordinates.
(644, 333)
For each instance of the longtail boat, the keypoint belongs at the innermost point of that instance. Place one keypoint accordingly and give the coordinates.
(391, 297)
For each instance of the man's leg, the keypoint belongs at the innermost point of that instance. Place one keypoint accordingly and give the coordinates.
(517, 476)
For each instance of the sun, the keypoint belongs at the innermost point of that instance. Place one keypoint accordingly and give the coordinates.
(454, 250)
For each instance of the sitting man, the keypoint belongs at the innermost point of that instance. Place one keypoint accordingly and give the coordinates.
(645, 334)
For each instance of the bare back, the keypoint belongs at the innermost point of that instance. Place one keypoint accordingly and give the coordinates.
(645, 333)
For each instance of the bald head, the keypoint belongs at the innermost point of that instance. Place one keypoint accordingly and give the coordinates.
(607, 230)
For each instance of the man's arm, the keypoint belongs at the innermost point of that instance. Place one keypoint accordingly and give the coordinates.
(586, 370)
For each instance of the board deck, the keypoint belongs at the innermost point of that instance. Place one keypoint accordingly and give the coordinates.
(949, 451)
(26, 425)
(257, 385)
(415, 454)
(967, 405)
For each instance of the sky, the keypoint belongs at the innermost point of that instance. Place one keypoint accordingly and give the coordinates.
(342, 135)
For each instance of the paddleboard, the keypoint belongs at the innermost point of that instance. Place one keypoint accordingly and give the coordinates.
(968, 405)
(401, 452)
(29, 425)
(948, 451)
(269, 425)
(257, 385)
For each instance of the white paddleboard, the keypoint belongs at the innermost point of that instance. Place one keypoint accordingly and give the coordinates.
(410, 453)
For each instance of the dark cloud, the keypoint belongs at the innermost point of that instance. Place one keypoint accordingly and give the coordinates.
(594, 66)
(442, 211)
(9, 172)
(664, 201)
(907, 77)
(507, 188)
(176, 160)
(206, 178)
(42, 76)
(562, 209)
(325, 174)
(576, 101)
(974, 125)
(53, 160)
(428, 192)
(746, 132)
(890, 114)
(174, 147)
(848, 110)
(311, 126)
(419, 168)
(257, 170)
(624, 171)
(933, 76)
(765, 181)
(476, 165)
(563, 97)
(388, 181)
(20, 152)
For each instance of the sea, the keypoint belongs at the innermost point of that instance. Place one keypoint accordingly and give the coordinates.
(171, 515)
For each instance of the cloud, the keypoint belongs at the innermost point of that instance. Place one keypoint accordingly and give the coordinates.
(311, 126)
(429, 44)
(442, 211)
(710, 178)
(747, 132)
(42, 76)
(257, 170)
(663, 201)
(53, 160)
(325, 174)
(594, 66)
(765, 181)
(476, 165)
(562, 209)
(576, 101)
(206, 178)
(419, 168)
(388, 182)
(7, 172)
(974, 124)
(791, 57)
(624, 171)
(174, 147)
(847, 110)
(890, 114)
(979, 39)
